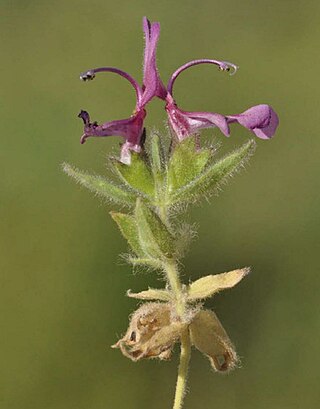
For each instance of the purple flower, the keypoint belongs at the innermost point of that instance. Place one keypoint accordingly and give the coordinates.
(131, 129)
(260, 119)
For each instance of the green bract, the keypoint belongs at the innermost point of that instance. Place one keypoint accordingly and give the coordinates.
(154, 236)
(137, 175)
(156, 186)
(101, 186)
(186, 163)
(165, 181)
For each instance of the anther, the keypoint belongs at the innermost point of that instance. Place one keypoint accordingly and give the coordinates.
(228, 67)
(87, 76)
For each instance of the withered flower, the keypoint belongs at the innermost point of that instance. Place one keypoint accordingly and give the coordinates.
(152, 332)
(155, 327)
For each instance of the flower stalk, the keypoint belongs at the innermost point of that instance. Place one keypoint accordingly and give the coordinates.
(185, 355)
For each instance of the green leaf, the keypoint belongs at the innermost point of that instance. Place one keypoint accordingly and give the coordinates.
(155, 238)
(186, 163)
(213, 175)
(128, 227)
(101, 186)
(137, 175)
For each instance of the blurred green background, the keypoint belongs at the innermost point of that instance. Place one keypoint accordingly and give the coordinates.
(62, 282)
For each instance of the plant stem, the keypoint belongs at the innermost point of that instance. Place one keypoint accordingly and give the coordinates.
(173, 278)
(183, 370)
(176, 287)
(171, 269)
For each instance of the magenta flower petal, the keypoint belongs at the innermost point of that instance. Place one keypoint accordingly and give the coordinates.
(152, 84)
(260, 119)
(130, 129)
(186, 123)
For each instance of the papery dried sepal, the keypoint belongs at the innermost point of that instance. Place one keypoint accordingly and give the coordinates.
(151, 294)
(209, 285)
(210, 338)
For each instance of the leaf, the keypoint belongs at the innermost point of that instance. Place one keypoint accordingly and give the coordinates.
(101, 186)
(155, 238)
(209, 337)
(137, 175)
(186, 163)
(213, 175)
(207, 286)
(151, 294)
(128, 227)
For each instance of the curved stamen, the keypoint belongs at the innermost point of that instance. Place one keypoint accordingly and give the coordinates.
(90, 75)
(223, 66)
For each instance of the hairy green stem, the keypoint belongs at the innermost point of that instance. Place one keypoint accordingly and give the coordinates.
(173, 277)
(172, 273)
(176, 287)
(183, 370)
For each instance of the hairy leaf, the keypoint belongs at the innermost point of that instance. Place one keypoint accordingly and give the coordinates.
(213, 175)
(128, 227)
(101, 186)
(155, 238)
(137, 175)
(186, 163)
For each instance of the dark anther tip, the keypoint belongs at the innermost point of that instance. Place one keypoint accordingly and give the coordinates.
(84, 116)
(87, 76)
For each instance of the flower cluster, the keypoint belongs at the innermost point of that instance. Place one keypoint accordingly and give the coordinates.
(260, 119)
